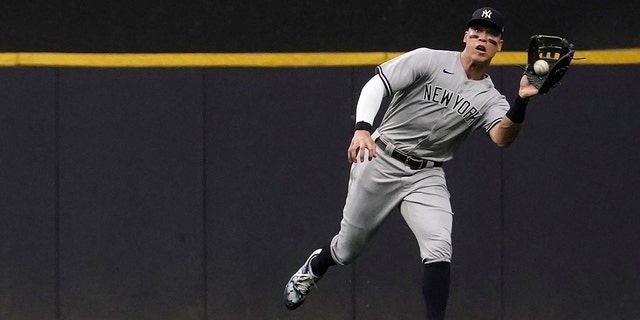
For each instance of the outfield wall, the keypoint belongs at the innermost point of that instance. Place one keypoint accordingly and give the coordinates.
(229, 26)
(195, 192)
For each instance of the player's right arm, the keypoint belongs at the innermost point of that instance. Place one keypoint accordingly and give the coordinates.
(366, 109)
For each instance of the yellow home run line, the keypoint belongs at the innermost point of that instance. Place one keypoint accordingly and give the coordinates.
(272, 60)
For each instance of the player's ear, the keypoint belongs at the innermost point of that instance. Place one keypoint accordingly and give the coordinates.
(464, 38)
(500, 43)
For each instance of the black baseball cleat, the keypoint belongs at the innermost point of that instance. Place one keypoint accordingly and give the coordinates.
(300, 284)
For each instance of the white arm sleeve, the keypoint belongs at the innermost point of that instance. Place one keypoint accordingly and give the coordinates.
(370, 99)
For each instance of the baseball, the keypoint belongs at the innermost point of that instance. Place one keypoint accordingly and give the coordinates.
(541, 67)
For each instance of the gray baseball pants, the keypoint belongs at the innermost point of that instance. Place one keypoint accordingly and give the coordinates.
(375, 188)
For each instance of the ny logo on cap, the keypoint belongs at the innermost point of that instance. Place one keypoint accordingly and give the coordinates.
(486, 14)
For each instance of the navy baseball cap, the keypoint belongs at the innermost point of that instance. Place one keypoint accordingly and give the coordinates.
(487, 16)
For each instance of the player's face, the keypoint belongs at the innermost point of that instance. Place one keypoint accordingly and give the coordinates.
(482, 42)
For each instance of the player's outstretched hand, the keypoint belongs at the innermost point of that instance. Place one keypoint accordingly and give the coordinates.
(360, 144)
(527, 90)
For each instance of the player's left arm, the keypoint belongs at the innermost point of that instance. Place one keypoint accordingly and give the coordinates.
(506, 131)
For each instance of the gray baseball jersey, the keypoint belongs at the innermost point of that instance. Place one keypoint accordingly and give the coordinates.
(435, 106)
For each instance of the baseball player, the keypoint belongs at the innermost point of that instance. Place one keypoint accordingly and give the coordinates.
(438, 99)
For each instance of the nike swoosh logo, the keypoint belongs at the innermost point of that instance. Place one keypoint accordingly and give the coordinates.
(447, 72)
